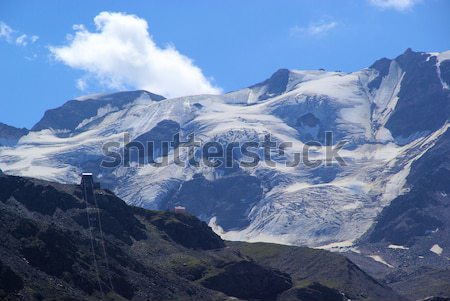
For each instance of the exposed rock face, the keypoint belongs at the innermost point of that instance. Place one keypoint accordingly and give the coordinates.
(184, 229)
(423, 102)
(152, 144)
(425, 207)
(10, 282)
(336, 275)
(249, 280)
(382, 66)
(416, 224)
(313, 292)
(72, 113)
(228, 198)
(275, 85)
(9, 135)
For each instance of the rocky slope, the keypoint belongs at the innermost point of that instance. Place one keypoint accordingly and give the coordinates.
(9, 135)
(54, 245)
(412, 234)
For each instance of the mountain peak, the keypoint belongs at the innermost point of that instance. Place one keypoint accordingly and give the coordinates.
(118, 96)
(72, 113)
(408, 50)
(9, 135)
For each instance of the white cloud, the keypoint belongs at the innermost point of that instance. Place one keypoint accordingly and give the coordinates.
(31, 57)
(121, 54)
(5, 31)
(13, 36)
(400, 5)
(314, 29)
(81, 84)
(22, 40)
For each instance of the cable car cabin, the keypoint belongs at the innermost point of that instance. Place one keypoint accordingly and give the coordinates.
(87, 180)
(179, 209)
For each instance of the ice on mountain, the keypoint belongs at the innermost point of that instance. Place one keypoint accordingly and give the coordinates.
(436, 249)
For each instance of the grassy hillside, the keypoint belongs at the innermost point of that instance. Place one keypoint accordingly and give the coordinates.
(308, 266)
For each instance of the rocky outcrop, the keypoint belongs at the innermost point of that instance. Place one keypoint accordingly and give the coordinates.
(248, 280)
(9, 135)
(312, 292)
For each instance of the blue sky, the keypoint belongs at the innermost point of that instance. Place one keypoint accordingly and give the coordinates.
(206, 46)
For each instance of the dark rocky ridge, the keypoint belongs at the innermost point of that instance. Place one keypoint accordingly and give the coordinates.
(248, 280)
(227, 198)
(49, 251)
(157, 142)
(70, 114)
(382, 66)
(313, 292)
(9, 135)
(423, 104)
(411, 215)
(417, 220)
(307, 267)
(275, 85)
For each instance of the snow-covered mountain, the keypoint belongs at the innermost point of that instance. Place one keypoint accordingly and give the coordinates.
(390, 115)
